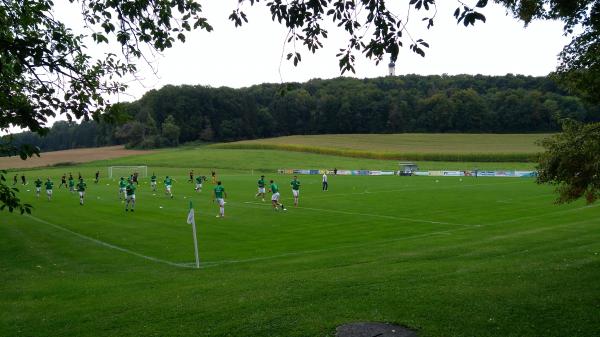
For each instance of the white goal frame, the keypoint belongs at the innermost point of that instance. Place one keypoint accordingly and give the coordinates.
(142, 170)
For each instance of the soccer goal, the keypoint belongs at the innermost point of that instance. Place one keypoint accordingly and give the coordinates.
(126, 171)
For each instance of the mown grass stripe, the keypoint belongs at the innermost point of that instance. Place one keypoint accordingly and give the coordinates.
(368, 215)
(109, 245)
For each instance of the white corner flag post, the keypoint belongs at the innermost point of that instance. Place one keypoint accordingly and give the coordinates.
(191, 221)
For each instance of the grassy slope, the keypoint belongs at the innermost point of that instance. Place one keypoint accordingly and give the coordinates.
(439, 147)
(412, 143)
(497, 259)
(237, 160)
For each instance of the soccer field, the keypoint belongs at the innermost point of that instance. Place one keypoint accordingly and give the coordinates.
(446, 256)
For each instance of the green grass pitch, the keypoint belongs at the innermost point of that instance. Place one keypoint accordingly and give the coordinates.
(446, 256)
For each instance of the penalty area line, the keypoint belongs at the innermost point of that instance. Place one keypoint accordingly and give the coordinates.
(448, 232)
(374, 215)
(111, 246)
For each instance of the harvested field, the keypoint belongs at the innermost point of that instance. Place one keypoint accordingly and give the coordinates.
(416, 147)
(69, 156)
(412, 142)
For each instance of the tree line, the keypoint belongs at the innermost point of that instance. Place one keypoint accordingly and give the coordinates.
(411, 103)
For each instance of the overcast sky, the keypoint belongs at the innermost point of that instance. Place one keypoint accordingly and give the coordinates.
(252, 54)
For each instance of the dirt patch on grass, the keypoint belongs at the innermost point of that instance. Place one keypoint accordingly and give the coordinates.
(74, 156)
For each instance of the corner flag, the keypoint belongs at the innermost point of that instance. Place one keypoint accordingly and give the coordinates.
(192, 221)
(190, 218)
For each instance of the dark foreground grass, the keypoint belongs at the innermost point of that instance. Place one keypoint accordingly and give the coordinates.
(477, 257)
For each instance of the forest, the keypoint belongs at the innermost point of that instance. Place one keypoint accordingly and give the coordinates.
(395, 104)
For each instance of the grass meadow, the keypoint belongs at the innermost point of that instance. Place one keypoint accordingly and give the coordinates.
(446, 256)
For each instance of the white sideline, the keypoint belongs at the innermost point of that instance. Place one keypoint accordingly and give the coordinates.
(111, 246)
(208, 264)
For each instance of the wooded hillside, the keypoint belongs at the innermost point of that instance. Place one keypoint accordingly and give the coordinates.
(411, 103)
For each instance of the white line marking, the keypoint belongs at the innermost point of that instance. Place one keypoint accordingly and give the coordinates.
(312, 251)
(418, 188)
(209, 264)
(541, 215)
(111, 246)
(373, 215)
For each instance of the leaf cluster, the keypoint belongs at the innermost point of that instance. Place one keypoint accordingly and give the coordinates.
(371, 27)
(579, 61)
(572, 162)
(9, 199)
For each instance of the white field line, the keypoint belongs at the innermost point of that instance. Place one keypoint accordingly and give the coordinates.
(410, 188)
(111, 246)
(405, 238)
(413, 188)
(298, 253)
(313, 251)
(541, 215)
(370, 215)
(410, 237)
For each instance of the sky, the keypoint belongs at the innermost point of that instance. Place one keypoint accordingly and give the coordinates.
(254, 54)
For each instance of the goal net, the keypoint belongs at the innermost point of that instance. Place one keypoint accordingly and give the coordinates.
(126, 171)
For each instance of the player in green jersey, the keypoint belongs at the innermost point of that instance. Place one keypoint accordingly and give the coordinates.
(38, 186)
(168, 183)
(122, 187)
(261, 188)
(295, 189)
(130, 190)
(220, 195)
(49, 184)
(198, 184)
(81, 189)
(71, 184)
(275, 197)
(153, 182)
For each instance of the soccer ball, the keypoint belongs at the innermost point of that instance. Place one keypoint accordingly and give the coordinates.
(437, 181)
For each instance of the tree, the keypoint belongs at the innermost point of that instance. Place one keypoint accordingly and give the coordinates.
(170, 131)
(571, 158)
(131, 133)
(572, 162)
(579, 67)
(207, 134)
(46, 71)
